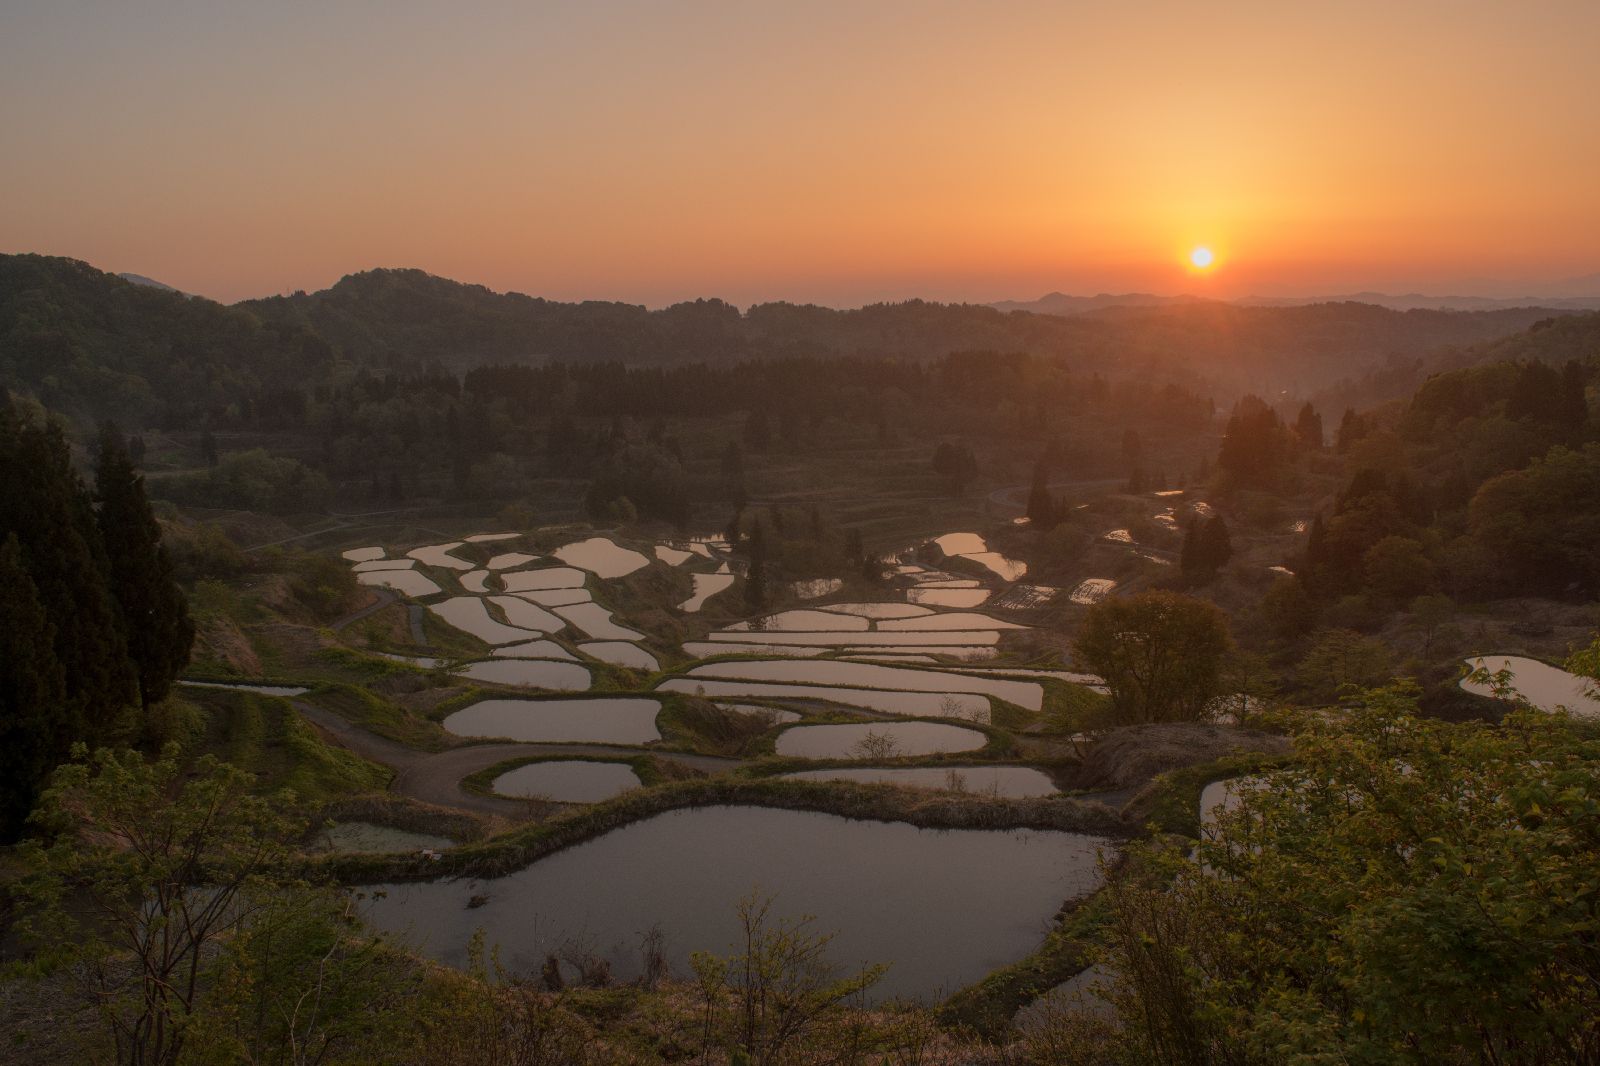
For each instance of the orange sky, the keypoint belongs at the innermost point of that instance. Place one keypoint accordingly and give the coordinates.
(841, 153)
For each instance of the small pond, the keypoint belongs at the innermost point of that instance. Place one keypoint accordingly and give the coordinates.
(672, 556)
(705, 649)
(470, 615)
(439, 555)
(705, 587)
(906, 738)
(802, 621)
(684, 872)
(524, 615)
(601, 557)
(1545, 686)
(875, 638)
(568, 781)
(534, 649)
(1026, 694)
(609, 720)
(554, 577)
(405, 582)
(596, 621)
(971, 707)
(509, 561)
(245, 686)
(620, 653)
(948, 597)
(529, 673)
(384, 564)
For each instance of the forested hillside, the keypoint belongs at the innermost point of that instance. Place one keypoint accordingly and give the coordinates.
(94, 345)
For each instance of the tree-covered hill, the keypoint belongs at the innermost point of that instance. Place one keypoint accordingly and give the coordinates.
(1551, 339)
(95, 345)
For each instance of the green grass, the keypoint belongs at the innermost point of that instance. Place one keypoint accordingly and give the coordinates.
(264, 735)
(645, 767)
(379, 716)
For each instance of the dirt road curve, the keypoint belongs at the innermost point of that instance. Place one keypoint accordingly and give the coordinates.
(435, 777)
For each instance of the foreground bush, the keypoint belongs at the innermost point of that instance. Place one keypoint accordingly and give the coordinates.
(1408, 891)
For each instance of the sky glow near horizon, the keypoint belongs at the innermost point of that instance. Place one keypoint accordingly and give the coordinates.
(832, 153)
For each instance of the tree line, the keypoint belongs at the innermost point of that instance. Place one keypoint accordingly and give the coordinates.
(93, 626)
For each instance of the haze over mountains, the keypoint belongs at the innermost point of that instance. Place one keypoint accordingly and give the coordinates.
(1573, 294)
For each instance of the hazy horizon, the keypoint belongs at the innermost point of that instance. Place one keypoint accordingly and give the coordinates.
(835, 155)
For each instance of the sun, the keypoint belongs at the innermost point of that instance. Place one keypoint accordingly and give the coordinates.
(1201, 258)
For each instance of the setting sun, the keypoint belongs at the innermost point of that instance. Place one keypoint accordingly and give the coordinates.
(1200, 258)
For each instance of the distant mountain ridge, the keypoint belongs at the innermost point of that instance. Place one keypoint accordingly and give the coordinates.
(1575, 294)
(150, 283)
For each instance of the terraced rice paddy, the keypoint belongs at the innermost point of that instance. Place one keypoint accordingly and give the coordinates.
(705, 587)
(973, 708)
(602, 557)
(567, 781)
(1542, 685)
(553, 577)
(1019, 782)
(1026, 694)
(529, 673)
(921, 880)
(439, 555)
(406, 582)
(615, 720)
(620, 653)
(534, 649)
(470, 615)
(596, 622)
(877, 740)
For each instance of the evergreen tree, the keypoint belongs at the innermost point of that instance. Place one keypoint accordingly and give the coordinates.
(1351, 429)
(1253, 443)
(1207, 547)
(1308, 427)
(34, 724)
(1189, 554)
(154, 614)
(1217, 545)
(49, 512)
(1041, 505)
(755, 580)
(855, 550)
(1572, 410)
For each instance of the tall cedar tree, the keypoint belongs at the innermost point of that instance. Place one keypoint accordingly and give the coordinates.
(1207, 548)
(154, 613)
(33, 735)
(1041, 505)
(755, 580)
(50, 513)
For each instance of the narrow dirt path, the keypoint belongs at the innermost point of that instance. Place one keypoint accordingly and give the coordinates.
(383, 599)
(435, 777)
